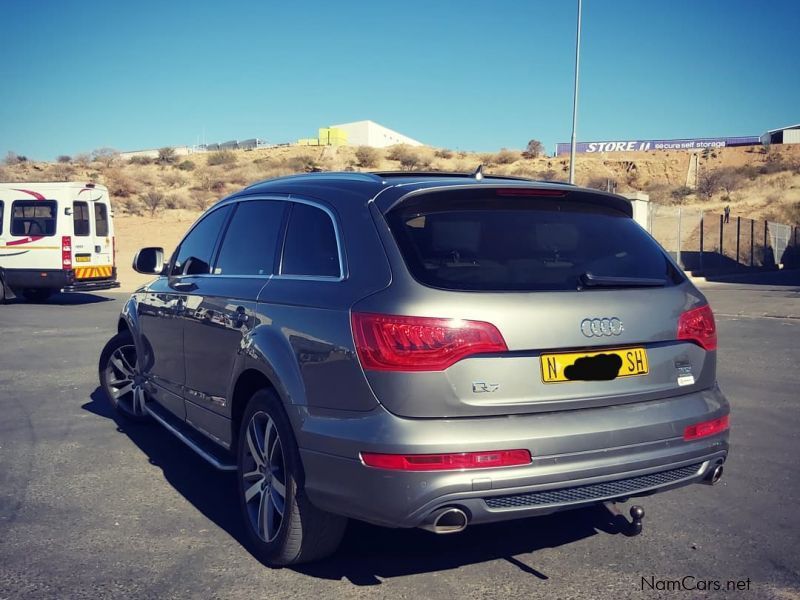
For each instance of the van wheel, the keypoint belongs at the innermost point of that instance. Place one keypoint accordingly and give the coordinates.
(37, 294)
(120, 377)
(283, 526)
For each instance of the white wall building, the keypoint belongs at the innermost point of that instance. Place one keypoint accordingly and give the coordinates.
(369, 133)
(783, 135)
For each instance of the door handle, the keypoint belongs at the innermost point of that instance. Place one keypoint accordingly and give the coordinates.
(183, 286)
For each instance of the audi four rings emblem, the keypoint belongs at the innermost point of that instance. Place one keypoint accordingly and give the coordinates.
(600, 327)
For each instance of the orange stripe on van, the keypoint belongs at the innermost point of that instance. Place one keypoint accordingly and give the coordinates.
(93, 272)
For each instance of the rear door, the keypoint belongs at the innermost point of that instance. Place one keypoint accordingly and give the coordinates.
(560, 277)
(221, 310)
(93, 235)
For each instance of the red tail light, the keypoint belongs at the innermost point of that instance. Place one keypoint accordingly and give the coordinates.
(447, 462)
(66, 252)
(396, 343)
(706, 428)
(697, 325)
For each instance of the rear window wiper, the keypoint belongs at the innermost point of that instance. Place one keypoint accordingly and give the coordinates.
(591, 280)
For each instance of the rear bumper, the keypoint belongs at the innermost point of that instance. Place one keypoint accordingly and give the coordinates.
(92, 285)
(580, 457)
(56, 279)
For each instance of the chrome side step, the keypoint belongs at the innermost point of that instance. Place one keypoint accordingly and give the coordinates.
(197, 446)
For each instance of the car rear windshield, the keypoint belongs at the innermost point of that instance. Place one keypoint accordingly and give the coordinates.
(522, 244)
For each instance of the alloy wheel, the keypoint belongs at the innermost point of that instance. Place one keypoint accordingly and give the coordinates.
(124, 383)
(264, 477)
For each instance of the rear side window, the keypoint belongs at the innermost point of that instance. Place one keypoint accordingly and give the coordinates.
(100, 219)
(194, 255)
(33, 217)
(524, 244)
(1, 216)
(310, 248)
(80, 218)
(251, 239)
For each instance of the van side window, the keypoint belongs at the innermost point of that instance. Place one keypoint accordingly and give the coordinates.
(194, 255)
(33, 217)
(100, 219)
(80, 218)
(310, 247)
(1, 217)
(251, 238)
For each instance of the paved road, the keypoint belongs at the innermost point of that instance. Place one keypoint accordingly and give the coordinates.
(93, 507)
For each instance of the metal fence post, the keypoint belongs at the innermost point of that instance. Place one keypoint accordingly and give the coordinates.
(679, 237)
(721, 225)
(702, 230)
(738, 231)
(752, 239)
(766, 225)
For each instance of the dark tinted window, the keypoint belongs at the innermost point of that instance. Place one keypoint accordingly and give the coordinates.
(80, 218)
(1, 216)
(33, 217)
(525, 244)
(100, 219)
(251, 238)
(310, 247)
(194, 254)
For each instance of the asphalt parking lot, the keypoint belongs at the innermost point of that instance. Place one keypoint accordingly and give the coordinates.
(94, 507)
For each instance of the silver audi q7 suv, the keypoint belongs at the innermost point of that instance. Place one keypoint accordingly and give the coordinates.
(421, 350)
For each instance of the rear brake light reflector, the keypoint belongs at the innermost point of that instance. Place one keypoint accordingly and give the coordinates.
(706, 428)
(697, 325)
(399, 343)
(66, 252)
(447, 462)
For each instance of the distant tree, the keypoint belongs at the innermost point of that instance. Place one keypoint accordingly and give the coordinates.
(107, 156)
(12, 158)
(83, 159)
(64, 158)
(167, 156)
(708, 183)
(153, 200)
(729, 180)
(534, 149)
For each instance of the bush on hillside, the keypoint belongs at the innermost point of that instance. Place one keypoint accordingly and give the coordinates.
(64, 158)
(153, 200)
(367, 156)
(506, 157)
(444, 153)
(167, 156)
(186, 165)
(141, 160)
(222, 157)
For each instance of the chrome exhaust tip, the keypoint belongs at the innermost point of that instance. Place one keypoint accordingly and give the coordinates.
(446, 520)
(714, 475)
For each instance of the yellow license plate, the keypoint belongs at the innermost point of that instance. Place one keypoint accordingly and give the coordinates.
(602, 365)
(79, 258)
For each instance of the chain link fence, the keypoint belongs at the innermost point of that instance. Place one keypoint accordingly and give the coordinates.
(707, 241)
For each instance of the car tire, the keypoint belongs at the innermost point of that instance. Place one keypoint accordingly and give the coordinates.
(120, 377)
(282, 525)
(37, 295)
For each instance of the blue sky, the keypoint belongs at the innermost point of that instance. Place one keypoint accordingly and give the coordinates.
(81, 75)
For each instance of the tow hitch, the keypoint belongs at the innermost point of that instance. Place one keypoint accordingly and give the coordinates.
(632, 528)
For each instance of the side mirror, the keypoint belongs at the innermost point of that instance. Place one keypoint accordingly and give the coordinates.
(149, 261)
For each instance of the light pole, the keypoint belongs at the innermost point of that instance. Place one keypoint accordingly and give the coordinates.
(575, 98)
